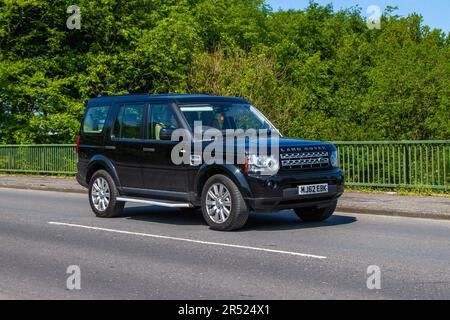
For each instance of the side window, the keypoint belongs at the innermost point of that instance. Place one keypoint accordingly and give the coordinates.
(160, 116)
(129, 122)
(95, 118)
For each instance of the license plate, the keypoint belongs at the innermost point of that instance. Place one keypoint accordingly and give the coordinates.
(313, 189)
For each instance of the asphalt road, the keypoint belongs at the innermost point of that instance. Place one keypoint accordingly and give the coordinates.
(157, 253)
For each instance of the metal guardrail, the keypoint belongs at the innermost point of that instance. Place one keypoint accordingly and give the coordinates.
(38, 159)
(391, 164)
(388, 164)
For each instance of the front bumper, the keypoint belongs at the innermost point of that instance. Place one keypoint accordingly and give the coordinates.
(281, 191)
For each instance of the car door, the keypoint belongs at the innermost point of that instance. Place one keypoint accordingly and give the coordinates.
(125, 146)
(160, 174)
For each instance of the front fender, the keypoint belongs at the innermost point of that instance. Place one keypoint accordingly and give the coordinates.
(230, 170)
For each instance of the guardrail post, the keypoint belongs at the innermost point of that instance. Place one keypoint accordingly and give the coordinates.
(406, 165)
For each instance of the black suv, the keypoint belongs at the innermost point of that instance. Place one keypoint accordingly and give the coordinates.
(126, 151)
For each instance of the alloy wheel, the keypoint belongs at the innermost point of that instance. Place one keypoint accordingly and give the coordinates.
(100, 194)
(218, 203)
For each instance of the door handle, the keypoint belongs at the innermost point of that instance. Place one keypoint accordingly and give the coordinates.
(149, 149)
(110, 147)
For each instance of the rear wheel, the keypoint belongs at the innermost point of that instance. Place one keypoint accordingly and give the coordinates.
(316, 214)
(103, 195)
(223, 206)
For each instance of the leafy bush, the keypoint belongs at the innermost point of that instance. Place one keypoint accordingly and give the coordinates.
(317, 74)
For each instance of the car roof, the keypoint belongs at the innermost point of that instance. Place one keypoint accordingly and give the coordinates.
(177, 98)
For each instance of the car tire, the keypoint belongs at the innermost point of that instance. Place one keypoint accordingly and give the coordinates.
(315, 214)
(103, 195)
(229, 204)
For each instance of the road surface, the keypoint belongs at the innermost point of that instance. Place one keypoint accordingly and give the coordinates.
(158, 253)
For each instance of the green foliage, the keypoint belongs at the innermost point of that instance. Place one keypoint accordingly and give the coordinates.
(317, 73)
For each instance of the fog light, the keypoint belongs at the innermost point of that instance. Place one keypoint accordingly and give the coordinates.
(271, 184)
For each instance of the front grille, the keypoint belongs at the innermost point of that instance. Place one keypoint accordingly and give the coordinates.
(305, 160)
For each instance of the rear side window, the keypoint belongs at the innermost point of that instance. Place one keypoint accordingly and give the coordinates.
(95, 119)
(160, 116)
(129, 122)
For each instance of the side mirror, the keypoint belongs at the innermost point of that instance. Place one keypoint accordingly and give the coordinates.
(166, 134)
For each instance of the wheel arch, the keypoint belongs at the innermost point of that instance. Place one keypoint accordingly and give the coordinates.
(228, 170)
(100, 162)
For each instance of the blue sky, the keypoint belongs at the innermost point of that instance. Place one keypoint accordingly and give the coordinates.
(436, 13)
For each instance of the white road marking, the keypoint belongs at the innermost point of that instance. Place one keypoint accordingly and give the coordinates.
(189, 240)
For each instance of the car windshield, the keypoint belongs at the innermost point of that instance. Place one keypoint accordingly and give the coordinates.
(224, 116)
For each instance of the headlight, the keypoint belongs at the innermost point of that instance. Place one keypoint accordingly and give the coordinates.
(264, 165)
(334, 159)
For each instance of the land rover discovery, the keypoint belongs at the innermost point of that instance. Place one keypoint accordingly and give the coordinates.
(126, 150)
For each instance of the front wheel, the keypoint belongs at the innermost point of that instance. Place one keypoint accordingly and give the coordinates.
(103, 196)
(223, 206)
(316, 214)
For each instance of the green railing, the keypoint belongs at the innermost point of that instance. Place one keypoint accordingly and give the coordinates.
(387, 164)
(38, 159)
(391, 164)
